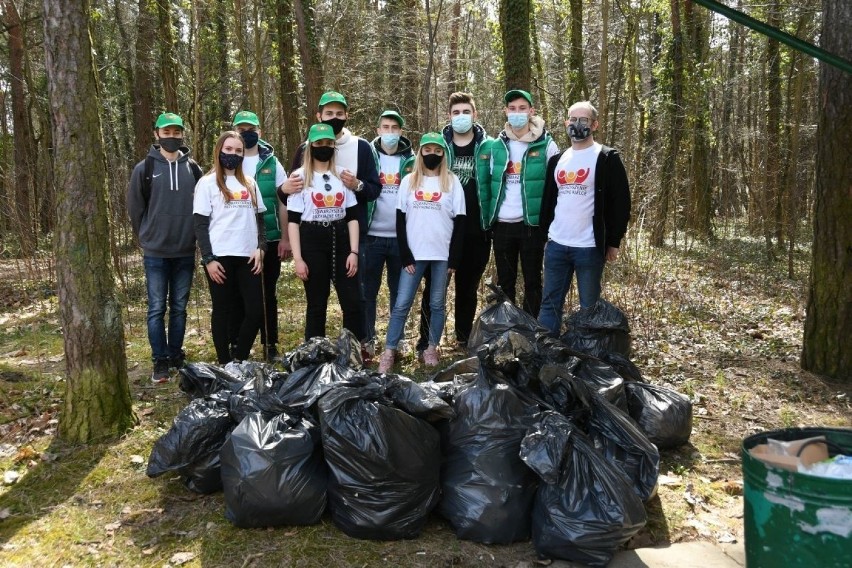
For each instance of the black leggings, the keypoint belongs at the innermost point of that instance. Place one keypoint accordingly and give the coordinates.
(271, 273)
(243, 287)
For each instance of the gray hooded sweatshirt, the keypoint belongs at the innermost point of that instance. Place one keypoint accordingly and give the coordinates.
(165, 226)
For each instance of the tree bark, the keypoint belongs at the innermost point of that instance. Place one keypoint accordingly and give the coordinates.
(577, 87)
(828, 325)
(515, 32)
(165, 34)
(287, 81)
(97, 398)
(143, 79)
(309, 53)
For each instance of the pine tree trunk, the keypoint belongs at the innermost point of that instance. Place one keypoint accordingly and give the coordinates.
(577, 88)
(287, 81)
(143, 79)
(165, 35)
(828, 325)
(312, 72)
(97, 398)
(515, 31)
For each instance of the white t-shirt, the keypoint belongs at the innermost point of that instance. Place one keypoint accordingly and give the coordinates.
(512, 208)
(384, 215)
(250, 169)
(429, 215)
(575, 201)
(233, 225)
(315, 203)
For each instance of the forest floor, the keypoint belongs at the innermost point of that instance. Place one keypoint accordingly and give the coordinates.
(718, 322)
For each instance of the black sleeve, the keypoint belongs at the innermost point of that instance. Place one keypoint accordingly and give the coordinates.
(351, 214)
(298, 157)
(294, 217)
(617, 204)
(202, 234)
(261, 232)
(457, 241)
(367, 173)
(405, 255)
(548, 198)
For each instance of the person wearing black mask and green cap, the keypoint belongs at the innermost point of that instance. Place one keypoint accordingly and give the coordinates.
(159, 203)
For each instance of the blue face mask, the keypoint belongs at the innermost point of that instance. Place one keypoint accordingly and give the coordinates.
(390, 140)
(518, 119)
(462, 123)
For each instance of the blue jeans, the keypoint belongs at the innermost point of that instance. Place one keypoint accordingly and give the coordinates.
(168, 281)
(379, 251)
(560, 263)
(408, 284)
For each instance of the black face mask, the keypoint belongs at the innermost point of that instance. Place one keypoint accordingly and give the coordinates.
(322, 153)
(579, 133)
(250, 137)
(432, 161)
(171, 144)
(336, 124)
(230, 161)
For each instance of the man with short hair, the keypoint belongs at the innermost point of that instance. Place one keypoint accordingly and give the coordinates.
(159, 203)
(380, 246)
(260, 163)
(584, 212)
(512, 205)
(468, 155)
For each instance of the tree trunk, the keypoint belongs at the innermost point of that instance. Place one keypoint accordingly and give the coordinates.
(165, 35)
(577, 88)
(288, 86)
(771, 198)
(828, 325)
(97, 398)
(603, 75)
(515, 32)
(309, 53)
(453, 55)
(143, 79)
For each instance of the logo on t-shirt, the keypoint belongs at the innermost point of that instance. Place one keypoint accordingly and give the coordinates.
(463, 167)
(572, 182)
(389, 178)
(513, 172)
(422, 195)
(324, 200)
(240, 194)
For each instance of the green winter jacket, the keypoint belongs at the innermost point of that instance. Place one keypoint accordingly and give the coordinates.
(265, 178)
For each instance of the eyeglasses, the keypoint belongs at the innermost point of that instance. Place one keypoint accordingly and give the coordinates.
(581, 120)
(327, 178)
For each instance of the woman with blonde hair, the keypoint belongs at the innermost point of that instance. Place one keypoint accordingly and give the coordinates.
(232, 238)
(322, 222)
(429, 227)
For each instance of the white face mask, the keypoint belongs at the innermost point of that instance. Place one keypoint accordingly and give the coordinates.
(390, 140)
(518, 119)
(462, 123)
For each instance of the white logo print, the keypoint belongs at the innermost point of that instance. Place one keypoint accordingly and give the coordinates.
(156, 175)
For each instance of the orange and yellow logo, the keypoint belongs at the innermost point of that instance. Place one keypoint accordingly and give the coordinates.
(328, 199)
(421, 195)
(513, 167)
(572, 177)
(389, 178)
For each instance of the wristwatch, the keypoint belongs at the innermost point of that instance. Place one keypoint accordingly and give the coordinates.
(359, 187)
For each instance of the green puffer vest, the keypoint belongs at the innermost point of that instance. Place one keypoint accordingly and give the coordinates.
(533, 172)
(406, 165)
(265, 178)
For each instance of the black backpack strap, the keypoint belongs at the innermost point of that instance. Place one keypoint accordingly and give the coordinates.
(146, 180)
(196, 169)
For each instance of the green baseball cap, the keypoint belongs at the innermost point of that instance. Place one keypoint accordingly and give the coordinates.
(433, 138)
(394, 115)
(321, 132)
(332, 97)
(168, 119)
(517, 94)
(246, 117)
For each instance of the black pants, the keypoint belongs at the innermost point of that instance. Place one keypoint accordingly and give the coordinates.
(241, 288)
(475, 254)
(514, 240)
(324, 250)
(269, 326)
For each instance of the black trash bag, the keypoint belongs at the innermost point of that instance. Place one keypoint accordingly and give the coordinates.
(488, 491)
(460, 367)
(604, 379)
(197, 432)
(500, 316)
(447, 390)
(598, 329)
(205, 475)
(315, 351)
(585, 508)
(613, 432)
(384, 464)
(304, 387)
(273, 472)
(349, 350)
(242, 404)
(665, 416)
(624, 367)
(416, 400)
(515, 357)
(202, 379)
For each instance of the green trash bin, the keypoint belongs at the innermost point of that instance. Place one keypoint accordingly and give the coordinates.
(794, 520)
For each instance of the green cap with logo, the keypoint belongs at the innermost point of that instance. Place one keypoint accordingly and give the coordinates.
(168, 119)
(332, 97)
(433, 138)
(321, 132)
(517, 94)
(394, 115)
(246, 117)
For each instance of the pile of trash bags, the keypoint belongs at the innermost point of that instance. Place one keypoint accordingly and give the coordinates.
(530, 437)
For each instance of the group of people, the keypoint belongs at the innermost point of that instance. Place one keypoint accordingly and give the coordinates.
(352, 211)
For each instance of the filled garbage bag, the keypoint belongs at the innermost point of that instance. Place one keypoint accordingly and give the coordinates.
(315, 351)
(515, 357)
(302, 388)
(624, 367)
(273, 472)
(584, 507)
(415, 399)
(202, 379)
(384, 464)
(598, 329)
(604, 379)
(487, 490)
(244, 403)
(500, 316)
(205, 475)
(665, 416)
(197, 432)
(460, 367)
(349, 350)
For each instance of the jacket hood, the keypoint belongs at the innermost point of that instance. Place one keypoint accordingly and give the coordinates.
(264, 149)
(535, 132)
(478, 133)
(183, 153)
(403, 146)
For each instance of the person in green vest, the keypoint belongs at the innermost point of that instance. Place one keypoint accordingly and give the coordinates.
(511, 208)
(260, 163)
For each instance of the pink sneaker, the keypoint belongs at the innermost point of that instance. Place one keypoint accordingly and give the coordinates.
(386, 361)
(430, 356)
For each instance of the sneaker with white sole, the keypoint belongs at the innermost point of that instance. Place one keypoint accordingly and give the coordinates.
(430, 356)
(161, 371)
(386, 361)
